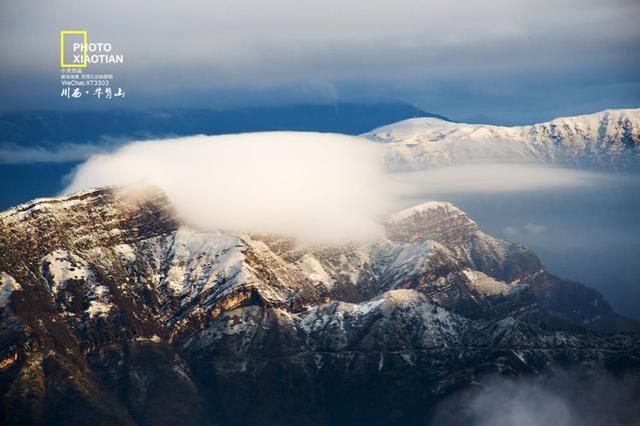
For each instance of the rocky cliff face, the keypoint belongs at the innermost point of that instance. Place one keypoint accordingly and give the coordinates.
(113, 312)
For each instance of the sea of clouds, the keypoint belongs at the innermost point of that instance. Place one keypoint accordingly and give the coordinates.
(316, 187)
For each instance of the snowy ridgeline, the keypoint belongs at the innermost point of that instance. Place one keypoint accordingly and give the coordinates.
(604, 138)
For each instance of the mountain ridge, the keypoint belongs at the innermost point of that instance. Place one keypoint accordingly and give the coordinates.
(144, 320)
(606, 138)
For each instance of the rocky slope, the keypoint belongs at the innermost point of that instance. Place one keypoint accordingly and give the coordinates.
(608, 138)
(113, 312)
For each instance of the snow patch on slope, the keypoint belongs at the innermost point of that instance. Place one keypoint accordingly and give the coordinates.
(63, 267)
(315, 271)
(7, 287)
(486, 284)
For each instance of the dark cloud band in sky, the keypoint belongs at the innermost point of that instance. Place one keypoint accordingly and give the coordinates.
(497, 60)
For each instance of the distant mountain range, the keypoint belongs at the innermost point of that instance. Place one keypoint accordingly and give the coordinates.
(116, 313)
(606, 139)
(42, 128)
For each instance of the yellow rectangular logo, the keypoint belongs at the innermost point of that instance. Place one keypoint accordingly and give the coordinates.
(84, 50)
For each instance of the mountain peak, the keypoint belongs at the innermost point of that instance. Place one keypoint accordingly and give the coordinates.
(424, 208)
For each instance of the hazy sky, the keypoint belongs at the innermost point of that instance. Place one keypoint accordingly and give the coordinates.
(499, 60)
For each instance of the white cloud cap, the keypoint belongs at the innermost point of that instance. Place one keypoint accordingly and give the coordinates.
(319, 188)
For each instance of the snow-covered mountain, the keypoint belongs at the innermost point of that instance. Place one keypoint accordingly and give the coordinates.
(608, 138)
(116, 313)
